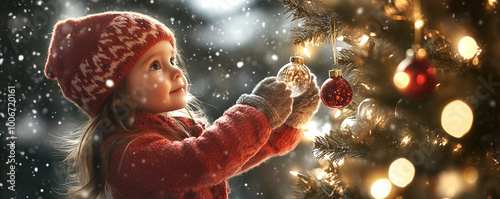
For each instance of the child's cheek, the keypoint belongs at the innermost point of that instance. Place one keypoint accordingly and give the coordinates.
(159, 92)
(150, 82)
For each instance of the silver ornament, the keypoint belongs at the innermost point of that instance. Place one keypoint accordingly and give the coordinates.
(370, 114)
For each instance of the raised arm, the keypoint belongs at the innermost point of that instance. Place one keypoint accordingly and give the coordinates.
(286, 137)
(220, 151)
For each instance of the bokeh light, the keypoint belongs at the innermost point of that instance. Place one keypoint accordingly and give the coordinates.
(306, 51)
(401, 80)
(310, 131)
(492, 3)
(419, 24)
(401, 172)
(457, 118)
(470, 175)
(467, 47)
(363, 40)
(450, 184)
(381, 188)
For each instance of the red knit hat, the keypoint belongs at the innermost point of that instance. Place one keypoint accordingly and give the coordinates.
(89, 56)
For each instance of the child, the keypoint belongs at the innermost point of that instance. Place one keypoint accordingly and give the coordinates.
(141, 140)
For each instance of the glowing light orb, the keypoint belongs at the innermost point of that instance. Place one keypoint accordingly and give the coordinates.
(294, 173)
(456, 118)
(312, 127)
(401, 79)
(381, 188)
(470, 175)
(419, 24)
(467, 47)
(306, 51)
(449, 184)
(401, 172)
(364, 39)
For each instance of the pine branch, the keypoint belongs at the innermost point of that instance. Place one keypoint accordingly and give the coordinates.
(319, 17)
(338, 146)
(331, 186)
(311, 188)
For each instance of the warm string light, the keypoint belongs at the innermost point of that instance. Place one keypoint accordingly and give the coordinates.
(406, 140)
(314, 129)
(381, 188)
(337, 113)
(401, 80)
(319, 173)
(457, 118)
(300, 175)
(309, 135)
(401, 172)
(492, 2)
(441, 141)
(363, 40)
(419, 24)
(310, 131)
(470, 175)
(457, 148)
(306, 51)
(467, 47)
(449, 184)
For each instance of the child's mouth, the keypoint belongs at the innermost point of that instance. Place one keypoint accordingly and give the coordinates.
(181, 89)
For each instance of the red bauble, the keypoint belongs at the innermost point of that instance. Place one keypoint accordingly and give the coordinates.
(415, 77)
(336, 92)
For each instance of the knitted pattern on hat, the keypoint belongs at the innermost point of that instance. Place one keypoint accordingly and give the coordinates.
(91, 55)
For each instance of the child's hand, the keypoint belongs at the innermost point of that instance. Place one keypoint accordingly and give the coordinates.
(272, 98)
(304, 106)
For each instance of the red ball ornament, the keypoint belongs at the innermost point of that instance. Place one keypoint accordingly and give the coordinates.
(336, 92)
(415, 77)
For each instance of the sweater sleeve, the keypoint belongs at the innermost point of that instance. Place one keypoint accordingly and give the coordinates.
(153, 162)
(282, 140)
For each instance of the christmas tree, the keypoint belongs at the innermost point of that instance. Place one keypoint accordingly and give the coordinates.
(424, 117)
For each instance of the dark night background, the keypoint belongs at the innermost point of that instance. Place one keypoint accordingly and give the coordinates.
(228, 46)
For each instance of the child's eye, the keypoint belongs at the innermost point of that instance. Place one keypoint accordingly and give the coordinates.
(172, 62)
(154, 66)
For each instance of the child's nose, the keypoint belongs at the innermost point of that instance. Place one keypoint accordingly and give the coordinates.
(176, 74)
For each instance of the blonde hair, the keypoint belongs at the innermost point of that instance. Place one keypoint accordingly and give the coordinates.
(88, 172)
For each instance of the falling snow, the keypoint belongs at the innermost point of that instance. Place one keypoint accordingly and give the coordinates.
(274, 57)
(110, 83)
(213, 40)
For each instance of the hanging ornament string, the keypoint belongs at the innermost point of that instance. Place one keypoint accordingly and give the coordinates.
(418, 24)
(336, 92)
(334, 43)
(297, 27)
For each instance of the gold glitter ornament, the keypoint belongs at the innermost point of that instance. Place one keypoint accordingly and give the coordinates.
(296, 75)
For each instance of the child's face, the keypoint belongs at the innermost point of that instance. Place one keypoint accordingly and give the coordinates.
(155, 83)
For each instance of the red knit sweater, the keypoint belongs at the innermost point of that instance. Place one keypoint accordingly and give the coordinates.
(198, 166)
